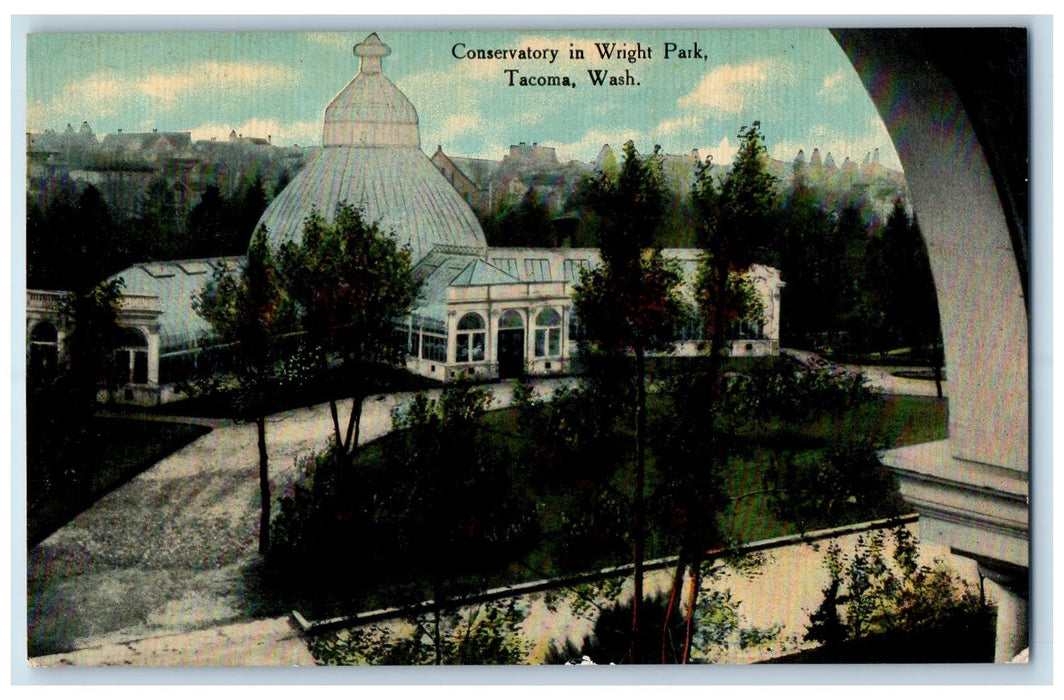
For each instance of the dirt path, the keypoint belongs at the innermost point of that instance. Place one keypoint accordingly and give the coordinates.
(171, 550)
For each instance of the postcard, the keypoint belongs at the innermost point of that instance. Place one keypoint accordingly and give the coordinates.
(690, 345)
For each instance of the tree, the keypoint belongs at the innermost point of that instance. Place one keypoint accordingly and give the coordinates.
(879, 590)
(734, 217)
(250, 313)
(350, 283)
(456, 512)
(630, 303)
(159, 216)
(527, 224)
(902, 282)
(60, 405)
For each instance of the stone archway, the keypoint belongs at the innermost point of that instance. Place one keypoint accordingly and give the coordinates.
(972, 489)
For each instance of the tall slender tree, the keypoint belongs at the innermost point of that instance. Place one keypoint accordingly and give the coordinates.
(249, 311)
(735, 216)
(630, 305)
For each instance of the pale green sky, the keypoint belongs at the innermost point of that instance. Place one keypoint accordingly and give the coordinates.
(797, 82)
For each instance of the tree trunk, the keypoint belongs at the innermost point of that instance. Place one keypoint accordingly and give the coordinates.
(673, 604)
(354, 423)
(692, 607)
(337, 437)
(264, 488)
(437, 596)
(638, 497)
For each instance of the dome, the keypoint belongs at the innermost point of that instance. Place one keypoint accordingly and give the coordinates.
(371, 111)
(372, 159)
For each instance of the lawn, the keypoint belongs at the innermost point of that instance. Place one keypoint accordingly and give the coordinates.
(752, 517)
(114, 451)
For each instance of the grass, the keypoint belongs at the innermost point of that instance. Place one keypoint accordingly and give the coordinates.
(903, 419)
(116, 450)
(219, 403)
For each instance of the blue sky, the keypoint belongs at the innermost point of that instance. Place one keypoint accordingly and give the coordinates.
(797, 82)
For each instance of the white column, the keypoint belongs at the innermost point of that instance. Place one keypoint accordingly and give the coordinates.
(153, 356)
(1011, 636)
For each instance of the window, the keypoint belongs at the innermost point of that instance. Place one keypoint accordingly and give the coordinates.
(573, 268)
(469, 342)
(548, 333)
(131, 357)
(508, 264)
(44, 349)
(537, 270)
(433, 340)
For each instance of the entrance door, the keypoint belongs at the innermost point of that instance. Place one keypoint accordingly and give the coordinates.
(511, 345)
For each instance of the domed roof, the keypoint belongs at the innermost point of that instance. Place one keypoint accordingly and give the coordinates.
(372, 159)
(371, 111)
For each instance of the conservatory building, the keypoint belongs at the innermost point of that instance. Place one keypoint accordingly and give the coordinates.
(482, 312)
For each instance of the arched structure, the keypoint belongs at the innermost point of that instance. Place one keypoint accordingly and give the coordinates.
(958, 118)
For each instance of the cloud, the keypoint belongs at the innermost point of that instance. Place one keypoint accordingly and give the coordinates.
(723, 152)
(832, 87)
(332, 39)
(99, 95)
(214, 76)
(672, 126)
(587, 147)
(106, 94)
(731, 89)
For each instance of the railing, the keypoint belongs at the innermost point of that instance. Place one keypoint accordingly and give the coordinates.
(140, 302)
(39, 300)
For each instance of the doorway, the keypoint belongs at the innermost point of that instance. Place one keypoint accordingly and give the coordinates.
(511, 345)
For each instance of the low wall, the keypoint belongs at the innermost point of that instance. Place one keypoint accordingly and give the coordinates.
(783, 591)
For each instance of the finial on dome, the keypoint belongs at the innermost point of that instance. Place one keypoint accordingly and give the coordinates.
(371, 51)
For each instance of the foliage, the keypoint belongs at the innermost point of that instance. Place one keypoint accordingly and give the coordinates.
(485, 634)
(90, 316)
(349, 282)
(527, 224)
(249, 312)
(722, 627)
(871, 592)
(457, 508)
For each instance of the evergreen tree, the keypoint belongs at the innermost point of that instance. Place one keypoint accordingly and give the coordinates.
(630, 305)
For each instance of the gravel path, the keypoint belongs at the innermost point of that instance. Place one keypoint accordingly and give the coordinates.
(169, 551)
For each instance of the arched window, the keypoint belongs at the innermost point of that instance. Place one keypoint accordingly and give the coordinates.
(44, 349)
(548, 333)
(131, 357)
(511, 319)
(469, 342)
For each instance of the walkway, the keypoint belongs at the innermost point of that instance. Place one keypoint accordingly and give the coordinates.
(173, 551)
(161, 571)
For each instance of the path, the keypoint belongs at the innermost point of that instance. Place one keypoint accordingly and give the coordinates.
(157, 572)
(169, 552)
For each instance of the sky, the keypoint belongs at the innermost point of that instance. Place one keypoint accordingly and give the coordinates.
(796, 82)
